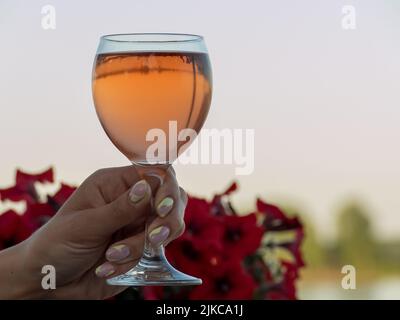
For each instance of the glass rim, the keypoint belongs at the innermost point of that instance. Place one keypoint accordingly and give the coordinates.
(130, 37)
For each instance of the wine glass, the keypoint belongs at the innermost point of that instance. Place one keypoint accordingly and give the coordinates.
(144, 85)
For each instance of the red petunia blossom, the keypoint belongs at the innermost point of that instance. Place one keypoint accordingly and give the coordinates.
(295, 247)
(16, 194)
(13, 229)
(16, 228)
(194, 256)
(24, 188)
(256, 266)
(276, 220)
(200, 224)
(9, 221)
(25, 180)
(37, 214)
(62, 195)
(285, 289)
(201, 244)
(228, 281)
(242, 236)
(218, 206)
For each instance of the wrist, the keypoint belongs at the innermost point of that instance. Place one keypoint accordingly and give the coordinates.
(16, 278)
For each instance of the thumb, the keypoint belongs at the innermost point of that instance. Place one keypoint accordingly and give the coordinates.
(127, 208)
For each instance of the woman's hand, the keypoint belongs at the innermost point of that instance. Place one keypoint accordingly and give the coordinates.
(99, 233)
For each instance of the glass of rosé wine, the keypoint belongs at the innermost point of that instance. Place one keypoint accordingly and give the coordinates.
(144, 82)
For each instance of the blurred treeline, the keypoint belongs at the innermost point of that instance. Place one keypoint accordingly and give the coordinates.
(356, 243)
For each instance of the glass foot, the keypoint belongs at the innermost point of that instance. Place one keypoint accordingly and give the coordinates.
(154, 272)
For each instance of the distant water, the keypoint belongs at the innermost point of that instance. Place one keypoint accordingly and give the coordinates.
(384, 289)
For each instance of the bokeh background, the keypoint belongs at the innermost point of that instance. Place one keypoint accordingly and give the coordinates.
(324, 102)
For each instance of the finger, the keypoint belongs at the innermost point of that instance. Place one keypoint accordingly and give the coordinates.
(184, 196)
(112, 182)
(126, 250)
(109, 270)
(131, 248)
(156, 176)
(165, 229)
(102, 187)
(154, 181)
(167, 195)
(181, 229)
(130, 206)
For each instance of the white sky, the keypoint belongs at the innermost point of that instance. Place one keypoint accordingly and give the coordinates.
(325, 102)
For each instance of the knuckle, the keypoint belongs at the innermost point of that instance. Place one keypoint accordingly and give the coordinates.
(98, 176)
(101, 172)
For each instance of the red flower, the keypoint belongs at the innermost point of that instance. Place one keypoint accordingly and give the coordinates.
(284, 290)
(13, 229)
(24, 188)
(200, 224)
(295, 247)
(276, 220)
(220, 207)
(25, 180)
(241, 236)
(62, 195)
(9, 221)
(37, 214)
(226, 282)
(193, 256)
(200, 245)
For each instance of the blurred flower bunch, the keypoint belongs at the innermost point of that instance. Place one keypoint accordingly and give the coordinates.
(252, 256)
(15, 227)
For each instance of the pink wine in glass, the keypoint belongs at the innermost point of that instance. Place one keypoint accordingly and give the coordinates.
(138, 91)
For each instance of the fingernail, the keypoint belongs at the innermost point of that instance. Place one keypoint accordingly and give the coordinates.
(118, 252)
(165, 206)
(105, 270)
(138, 191)
(158, 235)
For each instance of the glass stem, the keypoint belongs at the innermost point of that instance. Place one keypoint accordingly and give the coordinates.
(150, 251)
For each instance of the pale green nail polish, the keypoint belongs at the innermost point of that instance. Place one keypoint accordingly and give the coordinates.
(105, 270)
(165, 206)
(158, 235)
(138, 191)
(118, 252)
